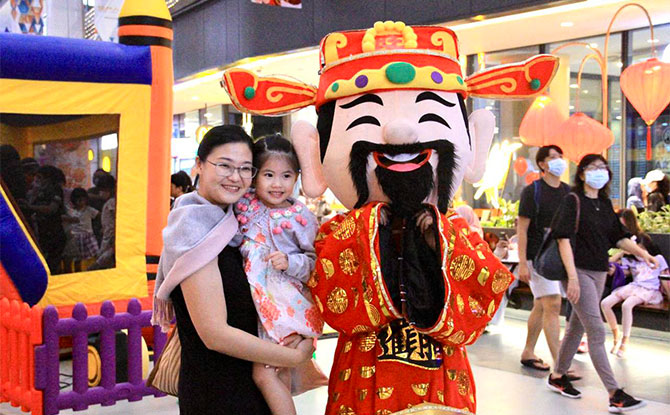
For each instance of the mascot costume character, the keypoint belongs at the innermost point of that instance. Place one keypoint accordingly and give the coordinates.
(403, 280)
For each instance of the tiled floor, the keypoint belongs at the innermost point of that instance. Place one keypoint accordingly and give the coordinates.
(503, 385)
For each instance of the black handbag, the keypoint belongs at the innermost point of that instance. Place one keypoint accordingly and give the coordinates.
(547, 261)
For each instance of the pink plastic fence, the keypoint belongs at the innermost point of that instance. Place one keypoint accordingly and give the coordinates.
(80, 326)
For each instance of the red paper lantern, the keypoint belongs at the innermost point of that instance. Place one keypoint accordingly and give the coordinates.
(647, 86)
(531, 177)
(581, 135)
(520, 166)
(541, 122)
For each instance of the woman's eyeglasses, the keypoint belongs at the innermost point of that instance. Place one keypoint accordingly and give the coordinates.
(227, 170)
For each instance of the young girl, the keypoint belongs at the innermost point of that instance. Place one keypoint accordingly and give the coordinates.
(277, 235)
(82, 244)
(645, 289)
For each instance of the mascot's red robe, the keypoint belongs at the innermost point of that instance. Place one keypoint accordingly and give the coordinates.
(382, 364)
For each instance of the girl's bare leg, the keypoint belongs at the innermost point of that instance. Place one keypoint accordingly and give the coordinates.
(276, 393)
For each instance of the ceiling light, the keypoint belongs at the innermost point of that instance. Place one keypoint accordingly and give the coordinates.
(619, 64)
(617, 101)
(593, 45)
(618, 117)
(585, 91)
(574, 86)
(195, 98)
(653, 40)
(567, 24)
(208, 115)
(572, 107)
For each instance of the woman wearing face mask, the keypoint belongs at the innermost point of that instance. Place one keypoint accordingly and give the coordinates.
(586, 263)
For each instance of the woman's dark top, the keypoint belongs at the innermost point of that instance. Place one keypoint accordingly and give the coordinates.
(211, 382)
(51, 234)
(599, 230)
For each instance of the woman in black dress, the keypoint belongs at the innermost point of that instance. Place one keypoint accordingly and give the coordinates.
(216, 317)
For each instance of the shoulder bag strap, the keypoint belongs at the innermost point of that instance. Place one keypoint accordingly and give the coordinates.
(578, 211)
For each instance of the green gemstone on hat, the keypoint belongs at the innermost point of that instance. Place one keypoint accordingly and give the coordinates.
(400, 73)
(335, 87)
(460, 80)
(535, 84)
(249, 92)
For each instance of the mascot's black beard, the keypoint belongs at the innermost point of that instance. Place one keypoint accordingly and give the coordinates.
(406, 190)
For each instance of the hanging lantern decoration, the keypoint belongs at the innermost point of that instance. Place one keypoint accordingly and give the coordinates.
(541, 122)
(646, 85)
(581, 135)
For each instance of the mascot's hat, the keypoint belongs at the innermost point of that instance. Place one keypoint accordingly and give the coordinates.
(389, 56)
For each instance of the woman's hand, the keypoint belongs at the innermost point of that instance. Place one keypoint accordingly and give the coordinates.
(278, 260)
(524, 272)
(650, 260)
(573, 289)
(502, 249)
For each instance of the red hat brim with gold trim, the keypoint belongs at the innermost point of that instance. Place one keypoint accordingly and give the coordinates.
(389, 56)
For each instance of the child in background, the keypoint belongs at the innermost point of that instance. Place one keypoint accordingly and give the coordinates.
(645, 289)
(82, 244)
(277, 234)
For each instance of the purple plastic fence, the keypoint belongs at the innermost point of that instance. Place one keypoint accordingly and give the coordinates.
(80, 326)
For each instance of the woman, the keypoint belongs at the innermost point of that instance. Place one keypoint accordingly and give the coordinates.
(586, 266)
(658, 186)
(201, 281)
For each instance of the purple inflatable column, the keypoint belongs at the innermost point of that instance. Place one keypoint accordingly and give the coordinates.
(46, 373)
(80, 357)
(134, 349)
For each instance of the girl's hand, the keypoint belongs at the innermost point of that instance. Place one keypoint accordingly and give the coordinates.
(278, 260)
(573, 290)
(306, 349)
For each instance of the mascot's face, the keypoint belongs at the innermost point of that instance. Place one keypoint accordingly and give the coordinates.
(400, 146)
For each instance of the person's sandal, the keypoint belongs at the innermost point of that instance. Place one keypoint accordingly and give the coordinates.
(622, 350)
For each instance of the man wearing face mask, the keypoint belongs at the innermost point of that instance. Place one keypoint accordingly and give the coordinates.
(537, 206)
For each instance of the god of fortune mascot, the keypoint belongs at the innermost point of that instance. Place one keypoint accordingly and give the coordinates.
(403, 281)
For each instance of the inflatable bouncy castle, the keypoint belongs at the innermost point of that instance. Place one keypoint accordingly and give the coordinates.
(56, 90)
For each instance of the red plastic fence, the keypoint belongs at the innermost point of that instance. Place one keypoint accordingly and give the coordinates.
(20, 332)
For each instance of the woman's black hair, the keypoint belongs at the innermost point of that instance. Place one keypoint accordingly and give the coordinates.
(578, 186)
(275, 144)
(182, 180)
(648, 244)
(78, 193)
(543, 153)
(218, 136)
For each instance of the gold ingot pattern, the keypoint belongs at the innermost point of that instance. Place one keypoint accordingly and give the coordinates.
(337, 300)
(346, 229)
(367, 372)
(463, 382)
(335, 397)
(345, 410)
(334, 225)
(385, 392)
(480, 254)
(483, 276)
(317, 300)
(457, 338)
(373, 314)
(328, 267)
(367, 342)
(319, 236)
(460, 303)
(472, 398)
(345, 375)
(448, 350)
(383, 412)
(420, 389)
(355, 291)
(348, 261)
(475, 307)
(501, 280)
(462, 267)
(491, 309)
(362, 394)
(451, 374)
(347, 347)
(472, 337)
(440, 396)
(313, 279)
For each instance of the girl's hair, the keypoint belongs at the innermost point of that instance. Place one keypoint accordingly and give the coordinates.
(648, 244)
(272, 145)
(578, 187)
(182, 180)
(218, 136)
(630, 221)
(78, 193)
